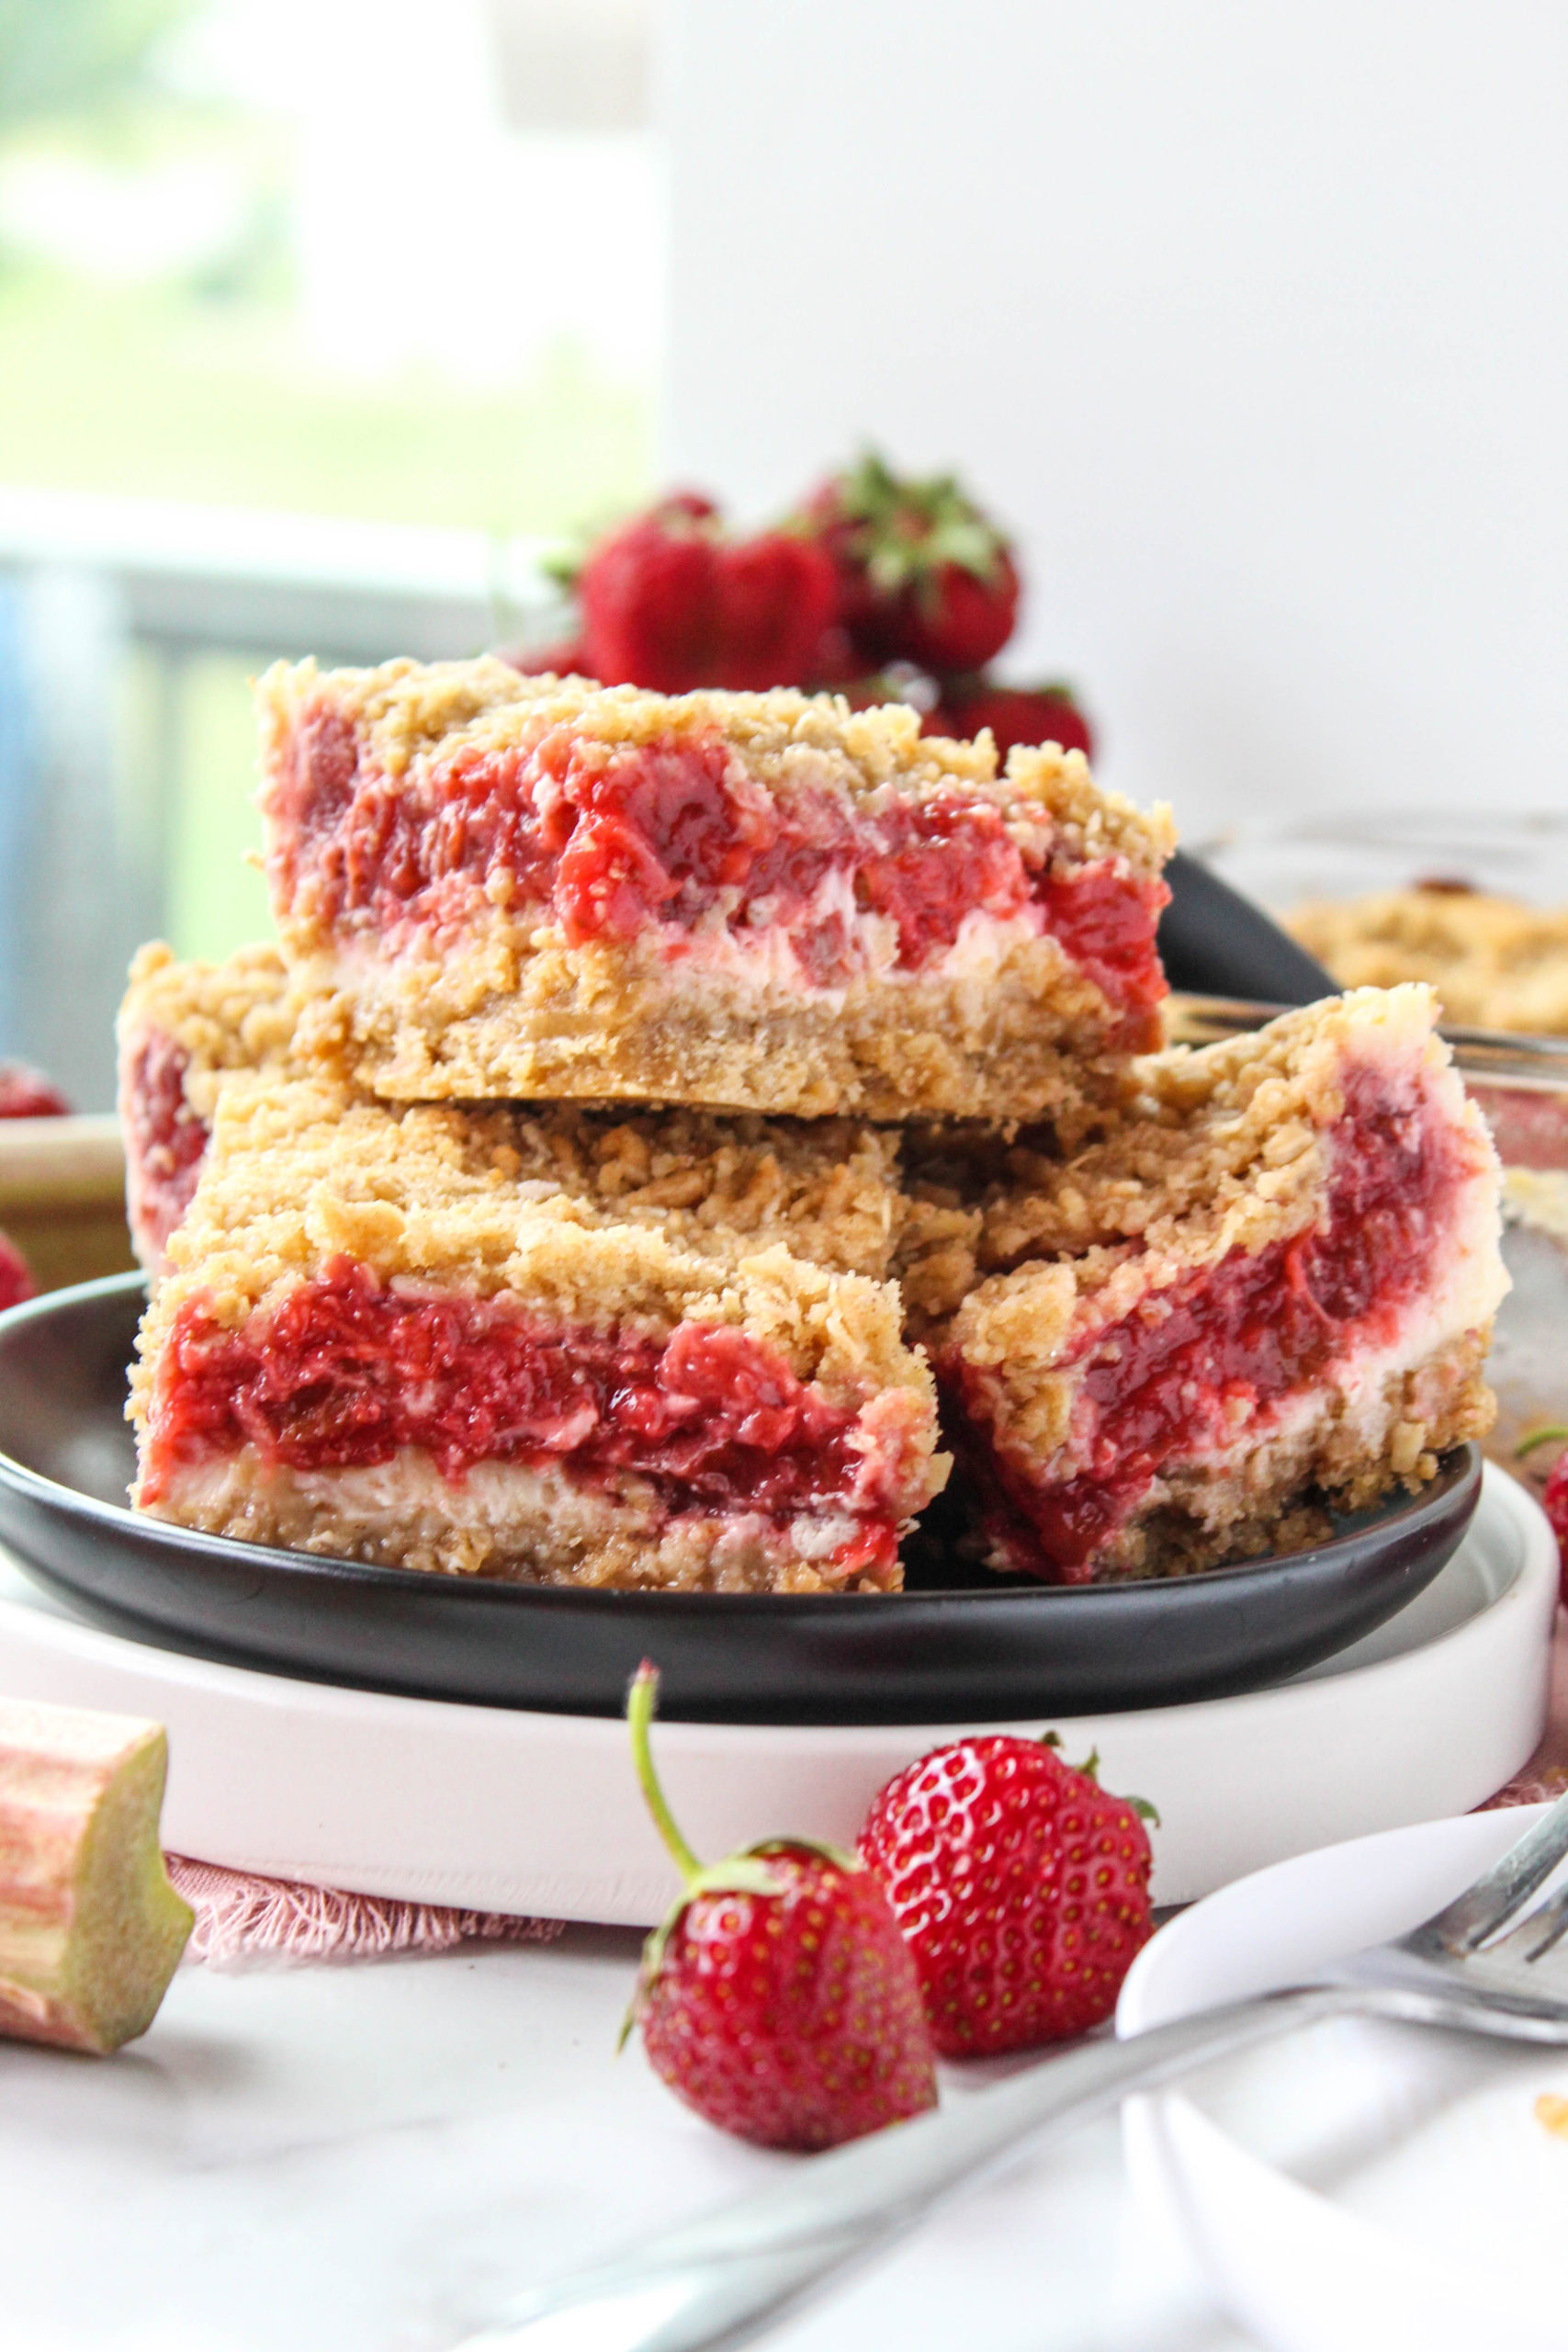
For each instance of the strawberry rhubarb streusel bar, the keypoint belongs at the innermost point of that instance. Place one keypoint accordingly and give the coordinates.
(1275, 1277)
(552, 1345)
(181, 1028)
(496, 887)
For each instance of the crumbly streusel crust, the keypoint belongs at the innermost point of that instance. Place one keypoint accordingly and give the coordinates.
(1496, 962)
(633, 1224)
(512, 1009)
(299, 1171)
(1220, 1146)
(238, 1014)
(1227, 1149)
(405, 708)
(182, 1028)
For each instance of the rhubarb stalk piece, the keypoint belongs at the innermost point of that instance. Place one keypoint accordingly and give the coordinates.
(91, 1931)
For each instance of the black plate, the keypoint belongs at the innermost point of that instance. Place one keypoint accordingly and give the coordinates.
(981, 1655)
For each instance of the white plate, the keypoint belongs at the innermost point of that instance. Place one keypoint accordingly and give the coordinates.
(539, 1814)
(1362, 2186)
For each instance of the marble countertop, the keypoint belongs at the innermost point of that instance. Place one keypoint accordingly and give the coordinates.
(382, 2155)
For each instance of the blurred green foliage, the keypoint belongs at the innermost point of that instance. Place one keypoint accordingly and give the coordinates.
(193, 381)
(62, 56)
(158, 391)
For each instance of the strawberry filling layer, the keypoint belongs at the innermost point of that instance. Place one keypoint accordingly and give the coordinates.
(673, 835)
(348, 1370)
(163, 1139)
(1204, 1361)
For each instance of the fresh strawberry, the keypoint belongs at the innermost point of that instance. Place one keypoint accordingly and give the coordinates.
(15, 1275)
(1021, 1886)
(777, 594)
(1014, 714)
(1554, 1500)
(695, 504)
(649, 603)
(567, 659)
(778, 1998)
(862, 689)
(25, 1093)
(923, 575)
(669, 603)
(1554, 1494)
(833, 663)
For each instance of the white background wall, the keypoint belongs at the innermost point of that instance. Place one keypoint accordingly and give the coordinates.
(1253, 319)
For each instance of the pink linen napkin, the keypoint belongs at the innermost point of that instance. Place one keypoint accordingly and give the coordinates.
(240, 1917)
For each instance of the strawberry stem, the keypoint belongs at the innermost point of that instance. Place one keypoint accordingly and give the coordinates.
(1552, 1434)
(641, 1700)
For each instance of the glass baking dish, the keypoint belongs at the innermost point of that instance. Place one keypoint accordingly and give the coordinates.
(1349, 855)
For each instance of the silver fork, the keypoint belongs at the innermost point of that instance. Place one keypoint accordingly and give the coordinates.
(725, 2277)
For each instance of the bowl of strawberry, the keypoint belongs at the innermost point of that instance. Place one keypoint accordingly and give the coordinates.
(26, 1095)
(878, 586)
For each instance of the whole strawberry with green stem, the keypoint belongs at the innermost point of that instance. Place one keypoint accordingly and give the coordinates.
(924, 575)
(25, 1093)
(1014, 714)
(566, 656)
(1554, 1494)
(671, 602)
(1021, 1886)
(778, 1998)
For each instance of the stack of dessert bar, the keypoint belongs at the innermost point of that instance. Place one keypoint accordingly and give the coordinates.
(672, 1134)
